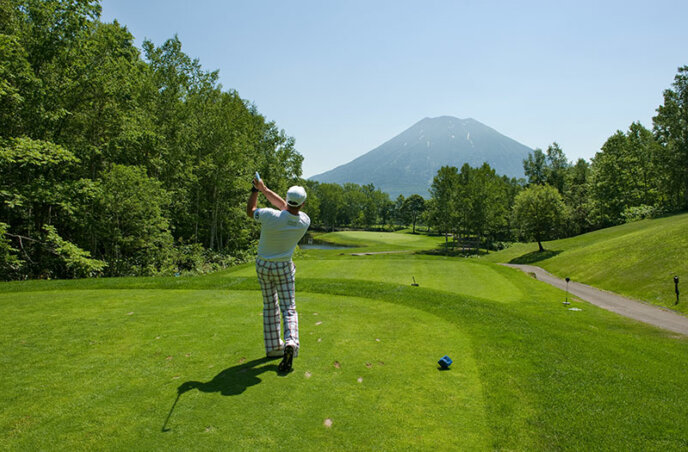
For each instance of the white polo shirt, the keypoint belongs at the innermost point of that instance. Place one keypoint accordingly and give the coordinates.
(280, 232)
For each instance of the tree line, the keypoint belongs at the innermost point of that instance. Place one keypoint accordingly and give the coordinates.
(332, 206)
(637, 174)
(120, 162)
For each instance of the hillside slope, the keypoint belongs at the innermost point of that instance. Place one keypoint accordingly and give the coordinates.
(638, 259)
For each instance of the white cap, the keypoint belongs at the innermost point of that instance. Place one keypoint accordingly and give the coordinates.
(296, 196)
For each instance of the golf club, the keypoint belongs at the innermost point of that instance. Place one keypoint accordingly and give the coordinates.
(676, 288)
(415, 284)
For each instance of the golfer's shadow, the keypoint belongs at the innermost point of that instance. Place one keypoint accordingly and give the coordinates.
(233, 380)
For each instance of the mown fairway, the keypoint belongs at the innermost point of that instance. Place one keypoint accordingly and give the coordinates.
(637, 259)
(96, 364)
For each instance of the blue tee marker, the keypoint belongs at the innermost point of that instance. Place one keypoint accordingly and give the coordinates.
(445, 362)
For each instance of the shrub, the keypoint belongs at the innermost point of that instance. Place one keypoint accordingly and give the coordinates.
(642, 212)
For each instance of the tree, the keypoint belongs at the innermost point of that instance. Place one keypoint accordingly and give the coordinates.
(132, 228)
(539, 213)
(555, 170)
(643, 165)
(386, 211)
(331, 199)
(671, 130)
(413, 208)
(576, 196)
(370, 206)
(10, 263)
(535, 167)
(351, 210)
(443, 211)
(312, 205)
(488, 202)
(625, 174)
(398, 213)
(77, 263)
(547, 168)
(81, 112)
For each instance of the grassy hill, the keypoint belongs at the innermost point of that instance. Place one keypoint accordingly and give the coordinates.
(637, 259)
(177, 363)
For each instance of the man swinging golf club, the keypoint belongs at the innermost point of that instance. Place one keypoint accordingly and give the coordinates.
(280, 231)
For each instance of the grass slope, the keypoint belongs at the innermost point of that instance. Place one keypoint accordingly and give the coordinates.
(637, 259)
(97, 363)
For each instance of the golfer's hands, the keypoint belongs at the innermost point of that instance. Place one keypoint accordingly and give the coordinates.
(259, 184)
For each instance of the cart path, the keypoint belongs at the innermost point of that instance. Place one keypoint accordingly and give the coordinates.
(647, 313)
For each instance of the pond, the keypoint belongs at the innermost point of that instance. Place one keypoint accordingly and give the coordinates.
(308, 243)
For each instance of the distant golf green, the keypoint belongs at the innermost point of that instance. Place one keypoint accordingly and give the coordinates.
(637, 259)
(382, 241)
(96, 364)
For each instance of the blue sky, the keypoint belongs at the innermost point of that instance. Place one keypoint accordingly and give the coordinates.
(342, 77)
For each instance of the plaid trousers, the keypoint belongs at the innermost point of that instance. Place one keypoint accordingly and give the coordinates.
(279, 294)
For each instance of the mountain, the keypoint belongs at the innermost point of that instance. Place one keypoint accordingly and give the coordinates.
(407, 163)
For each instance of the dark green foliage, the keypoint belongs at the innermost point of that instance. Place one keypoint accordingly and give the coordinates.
(539, 213)
(626, 174)
(412, 209)
(132, 231)
(10, 263)
(473, 202)
(76, 262)
(576, 196)
(332, 205)
(106, 154)
(547, 168)
(443, 211)
(671, 130)
(535, 167)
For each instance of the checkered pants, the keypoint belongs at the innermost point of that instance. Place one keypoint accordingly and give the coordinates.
(277, 284)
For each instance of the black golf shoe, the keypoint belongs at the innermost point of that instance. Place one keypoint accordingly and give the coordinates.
(285, 365)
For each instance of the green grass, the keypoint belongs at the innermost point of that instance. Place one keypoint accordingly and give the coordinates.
(637, 259)
(95, 364)
(102, 368)
(381, 241)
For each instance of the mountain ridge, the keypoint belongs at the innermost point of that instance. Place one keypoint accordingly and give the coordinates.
(408, 162)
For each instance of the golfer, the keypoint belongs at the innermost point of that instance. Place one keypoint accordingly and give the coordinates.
(280, 231)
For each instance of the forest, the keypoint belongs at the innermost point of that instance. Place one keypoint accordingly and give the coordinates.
(116, 160)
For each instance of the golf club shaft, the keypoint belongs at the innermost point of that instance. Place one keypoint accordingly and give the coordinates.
(164, 426)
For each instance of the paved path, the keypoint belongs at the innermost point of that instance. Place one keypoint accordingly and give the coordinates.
(654, 315)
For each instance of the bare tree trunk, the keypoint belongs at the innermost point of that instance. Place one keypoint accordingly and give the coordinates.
(213, 221)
